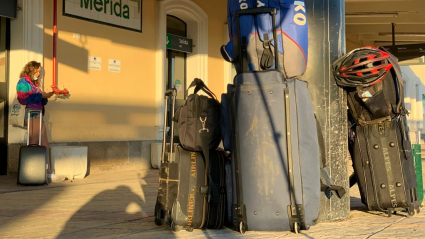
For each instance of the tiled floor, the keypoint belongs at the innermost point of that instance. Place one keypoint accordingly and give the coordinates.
(121, 205)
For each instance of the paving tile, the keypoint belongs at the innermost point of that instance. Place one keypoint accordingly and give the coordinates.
(120, 205)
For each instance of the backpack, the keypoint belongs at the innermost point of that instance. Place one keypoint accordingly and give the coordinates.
(256, 33)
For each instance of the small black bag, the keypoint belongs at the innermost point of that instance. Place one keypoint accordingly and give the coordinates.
(199, 113)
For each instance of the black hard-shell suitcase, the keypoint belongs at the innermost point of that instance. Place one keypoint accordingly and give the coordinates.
(32, 169)
(384, 167)
(217, 183)
(275, 157)
(201, 196)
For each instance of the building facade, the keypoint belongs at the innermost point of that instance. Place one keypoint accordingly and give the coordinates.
(414, 76)
(116, 72)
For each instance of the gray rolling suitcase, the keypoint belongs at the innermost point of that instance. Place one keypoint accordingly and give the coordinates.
(276, 164)
(32, 169)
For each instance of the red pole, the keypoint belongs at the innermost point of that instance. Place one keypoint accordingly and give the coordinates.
(55, 2)
(55, 64)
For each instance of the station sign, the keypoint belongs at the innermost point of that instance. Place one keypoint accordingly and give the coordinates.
(407, 51)
(8, 8)
(178, 43)
(125, 14)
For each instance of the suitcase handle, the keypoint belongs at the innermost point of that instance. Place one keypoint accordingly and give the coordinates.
(170, 93)
(255, 11)
(28, 124)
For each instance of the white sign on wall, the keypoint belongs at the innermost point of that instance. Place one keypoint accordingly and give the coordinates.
(119, 13)
(95, 63)
(114, 66)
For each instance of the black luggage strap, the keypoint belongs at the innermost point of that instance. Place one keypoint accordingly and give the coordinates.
(206, 189)
(267, 59)
(326, 184)
(393, 60)
(375, 121)
(402, 126)
(205, 150)
(244, 54)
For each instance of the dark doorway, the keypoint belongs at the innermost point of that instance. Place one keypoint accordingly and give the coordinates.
(176, 66)
(4, 51)
(176, 61)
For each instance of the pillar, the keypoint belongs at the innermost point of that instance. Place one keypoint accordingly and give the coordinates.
(326, 19)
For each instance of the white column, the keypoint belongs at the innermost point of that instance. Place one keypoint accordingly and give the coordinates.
(26, 44)
(33, 30)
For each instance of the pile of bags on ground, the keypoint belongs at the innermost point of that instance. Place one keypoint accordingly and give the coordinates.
(272, 168)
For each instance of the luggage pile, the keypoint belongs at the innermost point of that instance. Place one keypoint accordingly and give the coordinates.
(268, 127)
(381, 148)
(272, 168)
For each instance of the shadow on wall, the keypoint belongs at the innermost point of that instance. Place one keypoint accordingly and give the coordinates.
(116, 134)
(74, 117)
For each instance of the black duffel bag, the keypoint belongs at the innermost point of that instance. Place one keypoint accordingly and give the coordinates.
(198, 119)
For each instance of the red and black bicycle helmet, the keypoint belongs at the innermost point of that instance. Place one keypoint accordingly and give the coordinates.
(361, 67)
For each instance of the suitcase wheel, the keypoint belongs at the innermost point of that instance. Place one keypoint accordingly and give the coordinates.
(242, 228)
(411, 211)
(158, 222)
(296, 227)
(175, 227)
(157, 214)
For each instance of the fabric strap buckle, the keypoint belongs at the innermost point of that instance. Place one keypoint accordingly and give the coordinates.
(266, 44)
(203, 124)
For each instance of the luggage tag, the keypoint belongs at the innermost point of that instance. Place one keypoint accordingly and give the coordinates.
(365, 95)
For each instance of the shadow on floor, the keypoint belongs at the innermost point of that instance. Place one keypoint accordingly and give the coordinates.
(115, 213)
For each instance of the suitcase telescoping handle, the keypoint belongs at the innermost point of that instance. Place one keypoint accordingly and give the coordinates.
(170, 93)
(242, 42)
(28, 124)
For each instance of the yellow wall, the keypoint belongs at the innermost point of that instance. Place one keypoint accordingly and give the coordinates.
(106, 106)
(419, 71)
(217, 17)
